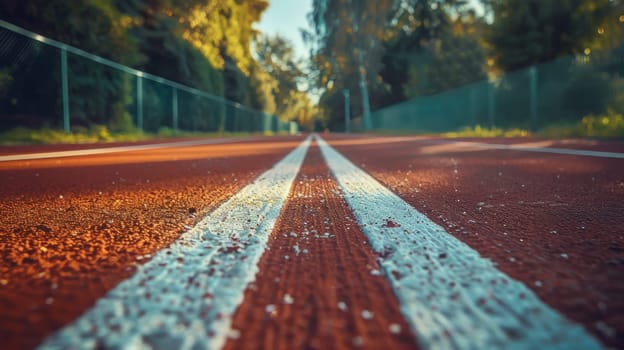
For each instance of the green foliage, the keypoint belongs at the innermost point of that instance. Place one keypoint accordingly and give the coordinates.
(610, 124)
(481, 132)
(522, 63)
(283, 76)
(200, 43)
(96, 133)
(607, 125)
(347, 38)
(526, 32)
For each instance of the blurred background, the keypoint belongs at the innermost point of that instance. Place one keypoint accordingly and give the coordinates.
(553, 66)
(461, 68)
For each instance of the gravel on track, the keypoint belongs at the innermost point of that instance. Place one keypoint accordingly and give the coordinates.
(319, 284)
(553, 222)
(73, 228)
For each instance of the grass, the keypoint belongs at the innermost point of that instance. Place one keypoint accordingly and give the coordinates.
(79, 135)
(481, 132)
(607, 126)
(97, 134)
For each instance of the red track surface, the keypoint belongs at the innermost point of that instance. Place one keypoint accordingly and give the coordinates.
(333, 270)
(72, 228)
(554, 222)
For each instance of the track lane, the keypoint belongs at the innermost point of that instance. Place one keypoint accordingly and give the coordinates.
(552, 221)
(435, 181)
(184, 296)
(72, 228)
(319, 284)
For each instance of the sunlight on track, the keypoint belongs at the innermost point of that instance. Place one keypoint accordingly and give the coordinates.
(183, 298)
(156, 155)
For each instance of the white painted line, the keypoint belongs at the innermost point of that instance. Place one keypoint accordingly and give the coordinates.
(183, 298)
(106, 150)
(451, 296)
(566, 151)
(537, 146)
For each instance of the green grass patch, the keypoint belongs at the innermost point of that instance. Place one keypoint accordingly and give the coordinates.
(481, 132)
(99, 134)
(78, 135)
(608, 125)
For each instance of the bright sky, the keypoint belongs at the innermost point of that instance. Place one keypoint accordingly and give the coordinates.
(285, 17)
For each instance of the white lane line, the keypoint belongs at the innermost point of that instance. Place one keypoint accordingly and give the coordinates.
(524, 148)
(105, 150)
(451, 296)
(183, 298)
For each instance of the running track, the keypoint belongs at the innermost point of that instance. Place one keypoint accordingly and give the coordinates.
(298, 242)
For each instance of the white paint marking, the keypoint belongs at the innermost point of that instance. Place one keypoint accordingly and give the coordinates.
(433, 145)
(526, 148)
(184, 297)
(451, 296)
(106, 150)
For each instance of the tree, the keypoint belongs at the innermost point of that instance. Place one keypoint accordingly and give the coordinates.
(432, 46)
(276, 57)
(201, 43)
(526, 32)
(99, 95)
(347, 50)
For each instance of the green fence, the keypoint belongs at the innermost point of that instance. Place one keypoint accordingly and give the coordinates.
(555, 93)
(46, 83)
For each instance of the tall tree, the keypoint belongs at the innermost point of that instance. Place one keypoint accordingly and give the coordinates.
(526, 32)
(347, 49)
(202, 43)
(276, 57)
(432, 46)
(99, 95)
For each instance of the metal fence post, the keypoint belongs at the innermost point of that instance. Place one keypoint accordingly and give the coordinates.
(366, 114)
(174, 107)
(491, 103)
(266, 123)
(224, 111)
(139, 100)
(472, 105)
(65, 90)
(533, 97)
(347, 112)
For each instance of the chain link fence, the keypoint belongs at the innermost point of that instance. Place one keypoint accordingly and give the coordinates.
(48, 84)
(555, 93)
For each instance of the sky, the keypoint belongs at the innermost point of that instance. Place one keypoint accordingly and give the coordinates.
(285, 17)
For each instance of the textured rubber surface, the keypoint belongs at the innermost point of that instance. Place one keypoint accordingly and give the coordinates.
(319, 285)
(183, 298)
(553, 222)
(73, 228)
(451, 296)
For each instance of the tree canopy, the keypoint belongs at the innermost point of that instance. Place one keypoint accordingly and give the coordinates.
(422, 47)
(205, 44)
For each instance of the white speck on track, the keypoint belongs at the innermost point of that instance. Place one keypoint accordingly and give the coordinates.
(451, 296)
(184, 297)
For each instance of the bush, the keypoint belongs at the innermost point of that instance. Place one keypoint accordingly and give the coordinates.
(610, 124)
(478, 131)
